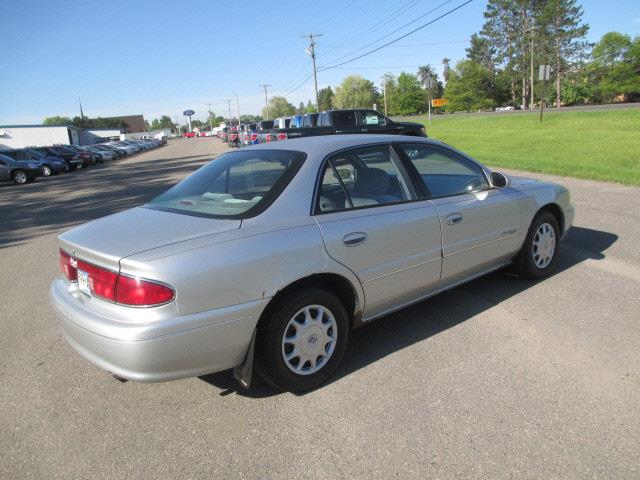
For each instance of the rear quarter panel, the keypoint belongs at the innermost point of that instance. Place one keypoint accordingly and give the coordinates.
(253, 263)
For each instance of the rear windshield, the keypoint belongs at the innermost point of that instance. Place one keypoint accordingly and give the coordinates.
(234, 185)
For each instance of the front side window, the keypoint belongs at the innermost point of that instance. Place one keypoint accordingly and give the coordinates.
(373, 118)
(362, 177)
(235, 185)
(443, 172)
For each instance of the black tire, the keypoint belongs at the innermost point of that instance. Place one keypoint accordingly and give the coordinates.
(527, 265)
(20, 177)
(270, 348)
(46, 170)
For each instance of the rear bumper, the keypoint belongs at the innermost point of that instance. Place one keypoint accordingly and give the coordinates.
(215, 340)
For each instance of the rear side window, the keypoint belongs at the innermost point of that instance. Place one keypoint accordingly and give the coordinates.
(345, 119)
(363, 177)
(444, 172)
(235, 185)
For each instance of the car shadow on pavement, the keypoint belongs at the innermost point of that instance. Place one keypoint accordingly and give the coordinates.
(425, 319)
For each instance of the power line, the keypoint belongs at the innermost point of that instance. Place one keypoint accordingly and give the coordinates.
(399, 38)
(413, 45)
(386, 19)
(394, 31)
(297, 87)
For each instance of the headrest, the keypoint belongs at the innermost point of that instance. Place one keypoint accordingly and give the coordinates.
(372, 181)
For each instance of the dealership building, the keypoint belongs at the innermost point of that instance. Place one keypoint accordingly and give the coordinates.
(20, 136)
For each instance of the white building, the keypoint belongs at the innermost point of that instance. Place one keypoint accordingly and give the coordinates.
(19, 136)
(99, 135)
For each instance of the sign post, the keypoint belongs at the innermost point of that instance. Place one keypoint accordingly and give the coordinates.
(544, 73)
(428, 83)
(188, 114)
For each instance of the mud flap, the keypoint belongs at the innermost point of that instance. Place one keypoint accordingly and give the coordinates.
(242, 373)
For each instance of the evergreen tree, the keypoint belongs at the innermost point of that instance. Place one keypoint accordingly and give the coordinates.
(325, 98)
(562, 20)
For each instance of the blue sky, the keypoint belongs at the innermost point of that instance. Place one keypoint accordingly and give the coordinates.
(157, 57)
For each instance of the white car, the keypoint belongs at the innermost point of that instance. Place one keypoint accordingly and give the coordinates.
(508, 108)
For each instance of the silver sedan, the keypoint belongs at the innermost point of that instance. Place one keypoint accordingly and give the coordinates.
(270, 255)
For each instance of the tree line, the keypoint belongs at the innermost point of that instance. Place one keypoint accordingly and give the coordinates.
(501, 67)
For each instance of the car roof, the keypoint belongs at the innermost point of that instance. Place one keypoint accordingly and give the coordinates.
(323, 145)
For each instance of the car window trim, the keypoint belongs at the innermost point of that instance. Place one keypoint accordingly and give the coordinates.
(344, 188)
(466, 159)
(315, 204)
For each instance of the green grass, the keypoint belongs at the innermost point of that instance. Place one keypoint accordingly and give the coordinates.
(597, 145)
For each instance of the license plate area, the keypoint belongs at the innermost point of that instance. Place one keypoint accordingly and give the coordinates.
(83, 282)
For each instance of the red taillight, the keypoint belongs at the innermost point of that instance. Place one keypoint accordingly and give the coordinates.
(136, 292)
(254, 137)
(115, 287)
(102, 282)
(68, 266)
(267, 137)
(282, 136)
(233, 136)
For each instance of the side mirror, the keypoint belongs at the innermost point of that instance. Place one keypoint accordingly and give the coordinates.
(498, 180)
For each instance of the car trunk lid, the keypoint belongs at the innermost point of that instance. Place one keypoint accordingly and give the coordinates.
(104, 242)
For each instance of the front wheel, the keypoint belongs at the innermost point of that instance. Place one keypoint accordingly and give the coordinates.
(539, 254)
(46, 170)
(304, 340)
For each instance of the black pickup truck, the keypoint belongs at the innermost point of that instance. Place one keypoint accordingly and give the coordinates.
(352, 121)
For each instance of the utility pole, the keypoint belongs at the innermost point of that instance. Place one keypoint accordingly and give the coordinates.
(531, 101)
(384, 93)
(210, 117)
(532, 31)
(230, 121)
(237, 108)
(311, 50)
(266, 97)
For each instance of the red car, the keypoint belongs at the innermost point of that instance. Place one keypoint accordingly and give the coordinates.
(189, 135)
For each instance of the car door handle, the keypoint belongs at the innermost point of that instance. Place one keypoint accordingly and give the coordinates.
(354, 238)
(454, 218)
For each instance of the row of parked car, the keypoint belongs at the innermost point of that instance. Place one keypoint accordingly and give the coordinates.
(24, 165)
(313, 124)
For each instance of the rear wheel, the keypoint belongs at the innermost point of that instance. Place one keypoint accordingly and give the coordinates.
(539, 254)
(20, 177)
(46, 170)
(304, 340)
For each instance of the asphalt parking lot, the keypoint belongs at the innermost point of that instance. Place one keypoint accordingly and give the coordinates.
(500, 378)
